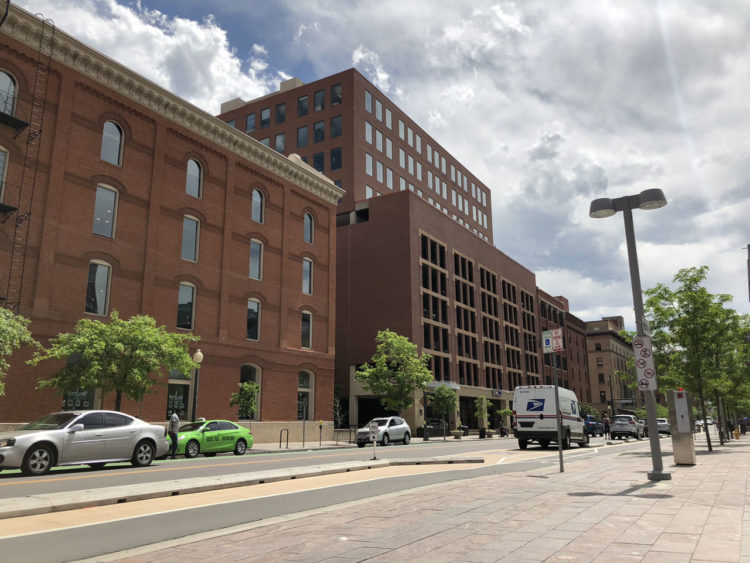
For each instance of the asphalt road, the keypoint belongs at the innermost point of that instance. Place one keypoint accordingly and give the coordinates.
(14, 484)
(83, 541)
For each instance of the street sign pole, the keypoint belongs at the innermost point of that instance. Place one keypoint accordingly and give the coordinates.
(553, 343)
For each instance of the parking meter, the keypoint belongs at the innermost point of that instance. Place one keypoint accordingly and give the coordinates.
(681, 428)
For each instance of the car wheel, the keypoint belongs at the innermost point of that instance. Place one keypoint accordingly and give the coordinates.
(38, 460)
(361, 444)
(585, 441)
(523, 443)
(192, 449)
(240, 447)
(407, 439)
(386, 440)
(143, 454)
(544, 443)
(96, 465)
(566, 440)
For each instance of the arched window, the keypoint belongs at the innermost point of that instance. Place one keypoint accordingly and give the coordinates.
(194, 179)
(256, 259)
(105, 211)
(305, 396)
(306, 332)
(252, 373)
(190, 238)
(309, 228)
(97, 287)
(258, 204)
(186, 306)
(307, 276)
(7, 93)
(112, 143)
(3, 171)
(253, 320)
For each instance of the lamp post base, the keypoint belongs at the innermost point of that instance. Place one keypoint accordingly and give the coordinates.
(659, 476)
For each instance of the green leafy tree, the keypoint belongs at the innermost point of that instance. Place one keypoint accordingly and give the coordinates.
(396, 370)
(14, 333)
(481, 411)
(588, 410)
(245, 398)
(697, 339)
(444, 401)
(119, 356)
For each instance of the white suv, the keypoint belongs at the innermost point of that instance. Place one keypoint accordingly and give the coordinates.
(390, 429)
(626, 425)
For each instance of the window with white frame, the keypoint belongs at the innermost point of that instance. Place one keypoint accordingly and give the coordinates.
(368, 102)
(252, 331)
(105, 211)
(368, 132)
(194, 178)
(306, 330)
(388, 148)
(257, 206)
(186, 306)
(190, 238)
(111, 150)
(378, 140)
(309, 228)
(307, 276)
(256, 259)
(97, 288)
(368, 164)
(388, 118)
(7, 93)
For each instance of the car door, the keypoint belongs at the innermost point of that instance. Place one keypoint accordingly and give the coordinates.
(121, 434)
(86, 444)
(211, 437)
(229, 434)
(395, 430)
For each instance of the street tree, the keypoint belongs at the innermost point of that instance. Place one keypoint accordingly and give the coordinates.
(444, 401)
(121, 356)
(396, 370)
(245, 398)
(694, 336)
(14, 333)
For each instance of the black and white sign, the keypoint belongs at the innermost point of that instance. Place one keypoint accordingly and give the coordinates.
(644, 364)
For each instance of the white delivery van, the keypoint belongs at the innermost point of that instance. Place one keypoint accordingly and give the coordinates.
(534, 411)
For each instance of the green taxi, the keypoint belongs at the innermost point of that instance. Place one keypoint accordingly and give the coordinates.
(209, 437)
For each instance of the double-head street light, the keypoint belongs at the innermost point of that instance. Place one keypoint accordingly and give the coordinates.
(606, 207)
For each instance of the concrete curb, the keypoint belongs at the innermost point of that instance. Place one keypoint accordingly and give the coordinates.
(58, 502)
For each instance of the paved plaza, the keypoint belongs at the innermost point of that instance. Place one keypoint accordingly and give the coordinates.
(601, 509)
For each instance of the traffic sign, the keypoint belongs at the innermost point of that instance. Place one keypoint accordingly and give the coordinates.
(644, 364)
(553, 340)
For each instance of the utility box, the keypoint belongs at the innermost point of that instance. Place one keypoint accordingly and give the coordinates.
(681, 428)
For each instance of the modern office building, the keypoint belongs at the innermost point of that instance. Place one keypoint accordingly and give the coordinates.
(415, 248)
(608, 353)
(118, 195)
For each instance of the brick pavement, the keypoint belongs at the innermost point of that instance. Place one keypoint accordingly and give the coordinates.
(602, 509)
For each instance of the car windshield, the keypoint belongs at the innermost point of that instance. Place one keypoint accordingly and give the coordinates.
(191, 426)
(380, 421)
(622, 419)
(51, 421)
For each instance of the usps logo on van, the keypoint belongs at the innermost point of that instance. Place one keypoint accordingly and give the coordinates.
(535, 405)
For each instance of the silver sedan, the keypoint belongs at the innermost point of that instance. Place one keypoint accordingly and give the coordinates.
(81, 437)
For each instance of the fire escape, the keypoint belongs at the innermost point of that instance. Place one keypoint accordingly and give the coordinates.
(18, 199)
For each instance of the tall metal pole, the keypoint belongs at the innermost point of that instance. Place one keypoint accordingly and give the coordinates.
(658, 473)
(195, 392)
(559, 415)
(611, 397)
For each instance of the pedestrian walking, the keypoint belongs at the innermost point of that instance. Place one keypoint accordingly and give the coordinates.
(606, 427)
(174, 427)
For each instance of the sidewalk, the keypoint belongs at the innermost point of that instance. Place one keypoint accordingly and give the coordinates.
(601, 509)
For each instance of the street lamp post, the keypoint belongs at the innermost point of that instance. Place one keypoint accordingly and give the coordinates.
(606, 207)
(197, 358)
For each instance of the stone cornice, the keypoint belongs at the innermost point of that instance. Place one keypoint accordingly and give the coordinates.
(27, 29)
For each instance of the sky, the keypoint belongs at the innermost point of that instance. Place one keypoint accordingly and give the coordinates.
(550, 104)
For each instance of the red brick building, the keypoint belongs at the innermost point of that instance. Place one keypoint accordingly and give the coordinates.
(118, 195)
(420, 260)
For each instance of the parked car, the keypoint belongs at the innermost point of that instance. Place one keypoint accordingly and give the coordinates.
(210, 437)
(92, 438)
(437, 427)
(626, 425)
(390, 429)
(592, 426)
(662, 425)
(536, 416)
